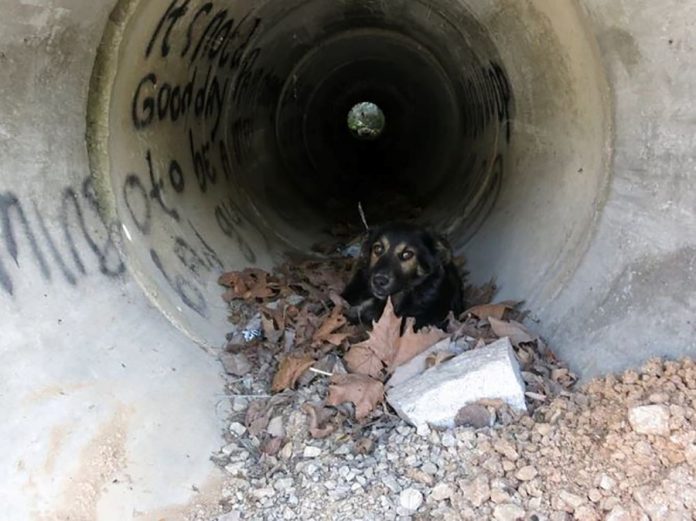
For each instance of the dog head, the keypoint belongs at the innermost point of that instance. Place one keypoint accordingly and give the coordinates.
(400, 256)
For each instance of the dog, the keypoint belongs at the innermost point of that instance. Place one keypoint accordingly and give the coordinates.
(411, 265)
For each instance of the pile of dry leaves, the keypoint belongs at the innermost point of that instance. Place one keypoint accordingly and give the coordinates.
(300, 320)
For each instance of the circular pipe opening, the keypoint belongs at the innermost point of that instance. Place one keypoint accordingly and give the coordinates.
(366, 121)
(218, 136)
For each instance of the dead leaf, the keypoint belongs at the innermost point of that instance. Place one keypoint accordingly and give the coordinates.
(328, 328)
(364, 392)
(273, 323)
(486, 311)
(515, 331)
(272, 445)
(258, 415)
(291, 368)
(363, 446)
(412, 344)
(438, 358)
(318, 420)
(249, 284)
(384, 337)
(362, 360)
(389, 346)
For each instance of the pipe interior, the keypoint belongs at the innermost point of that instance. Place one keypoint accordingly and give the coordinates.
(219, 136)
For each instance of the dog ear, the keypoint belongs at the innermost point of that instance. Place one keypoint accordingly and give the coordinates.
(443, 248)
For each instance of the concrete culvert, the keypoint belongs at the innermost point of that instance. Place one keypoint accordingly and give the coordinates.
(549, 139)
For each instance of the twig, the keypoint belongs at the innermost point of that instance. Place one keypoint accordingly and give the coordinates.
(319, 371)
(362, 216)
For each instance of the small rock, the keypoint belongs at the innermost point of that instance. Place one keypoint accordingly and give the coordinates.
(543, 428)
(690, 454)
(586, 513)
(391, 483)
(594, 495)
(526, 473)
(410, 500)
(237, 428)
(441, 492)
(650, 419)
(506, 448)
(429, 468)
(235, 515)
(572, 500)
(606, 483)
(235, 364)
(275, 427)
(509, 512)
(448, 440)
(508, 466)
(283, 484)
(477, 491)
(658, 398)
(286, 452)
(475, 416)
(311, 452)
(618, 513)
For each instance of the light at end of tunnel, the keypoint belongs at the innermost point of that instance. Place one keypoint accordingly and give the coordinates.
(366, 121)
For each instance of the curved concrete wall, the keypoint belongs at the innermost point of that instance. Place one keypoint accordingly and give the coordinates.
(569, 181)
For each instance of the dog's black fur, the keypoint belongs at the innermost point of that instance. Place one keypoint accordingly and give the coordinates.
(412, 266)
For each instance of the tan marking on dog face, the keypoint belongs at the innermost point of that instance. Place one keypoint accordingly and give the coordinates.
(378, 248)
(407, 258)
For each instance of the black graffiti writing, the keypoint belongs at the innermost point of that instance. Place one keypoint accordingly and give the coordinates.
(189, 294)
(202, 166)
(229, 219)
(172, 15)
(166, 102)
(157, 190)
(9, 204)
(15, 222)
(137, 201)
(242, 132)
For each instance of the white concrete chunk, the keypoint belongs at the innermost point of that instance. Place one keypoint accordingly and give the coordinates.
(436, 396)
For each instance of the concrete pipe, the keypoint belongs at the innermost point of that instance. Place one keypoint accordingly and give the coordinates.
(149, 145)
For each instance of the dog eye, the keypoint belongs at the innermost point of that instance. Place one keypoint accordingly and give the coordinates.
(406, 255)
(377, 249)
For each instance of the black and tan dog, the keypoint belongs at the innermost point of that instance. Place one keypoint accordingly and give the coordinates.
(412, 266)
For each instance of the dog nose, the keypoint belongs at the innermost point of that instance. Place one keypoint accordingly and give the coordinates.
(381, 281)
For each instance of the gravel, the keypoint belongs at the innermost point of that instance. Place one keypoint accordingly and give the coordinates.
(580, 455)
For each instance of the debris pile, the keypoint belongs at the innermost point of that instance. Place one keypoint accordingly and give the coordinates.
(311, 436)
(294, 318)
(619, 448)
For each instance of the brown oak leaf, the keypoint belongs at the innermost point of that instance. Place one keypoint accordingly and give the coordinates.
(385, 334)
(388, 345)
(290, 370)
(249, 284)
(319, 416)
(327, 330)
(412, 344)
(364, 392)
(362, 360)
(516, 332)
(486, 311)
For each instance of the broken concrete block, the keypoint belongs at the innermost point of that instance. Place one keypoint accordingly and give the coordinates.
(436, 396)
(650, 419)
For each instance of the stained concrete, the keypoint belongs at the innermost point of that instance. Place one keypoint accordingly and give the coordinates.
(112, 410)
